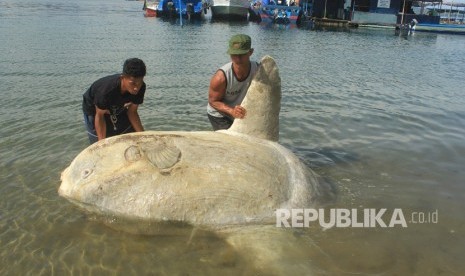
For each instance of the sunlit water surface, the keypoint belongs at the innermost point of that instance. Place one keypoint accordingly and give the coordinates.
(379, 117)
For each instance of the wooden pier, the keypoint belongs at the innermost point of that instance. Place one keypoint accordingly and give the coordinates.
(333, 22)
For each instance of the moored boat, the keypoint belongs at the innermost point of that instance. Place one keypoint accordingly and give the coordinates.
(230, 9)
(435, 17)
(441, 28)
(269, 12)
(150, 9)
(190, 9)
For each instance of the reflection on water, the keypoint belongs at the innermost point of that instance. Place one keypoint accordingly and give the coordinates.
(379, 117)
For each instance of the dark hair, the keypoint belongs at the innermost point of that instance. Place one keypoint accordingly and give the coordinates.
(134, 67)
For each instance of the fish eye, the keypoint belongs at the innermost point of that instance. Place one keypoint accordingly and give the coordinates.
(132, 154)
(86, 173)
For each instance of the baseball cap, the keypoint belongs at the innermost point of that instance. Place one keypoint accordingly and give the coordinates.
(239, 44)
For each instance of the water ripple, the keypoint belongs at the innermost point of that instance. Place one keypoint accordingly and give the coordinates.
(360, 107)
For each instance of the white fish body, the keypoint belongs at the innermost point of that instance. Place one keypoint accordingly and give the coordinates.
(238, 176)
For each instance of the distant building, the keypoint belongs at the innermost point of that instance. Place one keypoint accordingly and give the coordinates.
(381, 12)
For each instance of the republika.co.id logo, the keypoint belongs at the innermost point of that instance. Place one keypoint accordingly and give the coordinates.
(357, 218)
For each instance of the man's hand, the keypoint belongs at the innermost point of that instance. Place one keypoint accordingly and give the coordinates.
(239, 112)
(134, 118)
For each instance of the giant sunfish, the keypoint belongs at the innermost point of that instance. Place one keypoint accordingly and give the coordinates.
(237, 176)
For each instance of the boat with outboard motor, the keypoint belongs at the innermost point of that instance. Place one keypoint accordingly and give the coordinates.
(270, 12)
(189, 9)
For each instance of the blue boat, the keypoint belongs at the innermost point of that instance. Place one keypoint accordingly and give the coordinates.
(268, 12)
(440, 18)
(440, 28)
(189, 9)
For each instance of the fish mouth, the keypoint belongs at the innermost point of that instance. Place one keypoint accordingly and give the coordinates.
(86, 207)
(66, 194)
(65, 188)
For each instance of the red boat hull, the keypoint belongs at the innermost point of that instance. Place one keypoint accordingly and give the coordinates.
(150, 12)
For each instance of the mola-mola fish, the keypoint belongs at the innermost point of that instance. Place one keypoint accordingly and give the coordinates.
(235, 176)
(227, 178)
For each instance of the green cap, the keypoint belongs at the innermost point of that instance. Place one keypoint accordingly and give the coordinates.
(239, 44)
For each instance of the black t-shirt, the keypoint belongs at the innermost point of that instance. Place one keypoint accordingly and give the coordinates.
(105, 93)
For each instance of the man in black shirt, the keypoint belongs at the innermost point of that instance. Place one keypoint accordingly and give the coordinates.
(110, 104)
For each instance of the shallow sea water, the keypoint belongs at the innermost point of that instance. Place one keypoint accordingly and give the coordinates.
(379, 117)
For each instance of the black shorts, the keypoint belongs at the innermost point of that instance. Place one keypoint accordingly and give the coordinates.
(220, 122)
(122, 126)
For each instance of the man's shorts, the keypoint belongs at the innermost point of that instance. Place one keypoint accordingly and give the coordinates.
(122, 126)
(220, 122)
